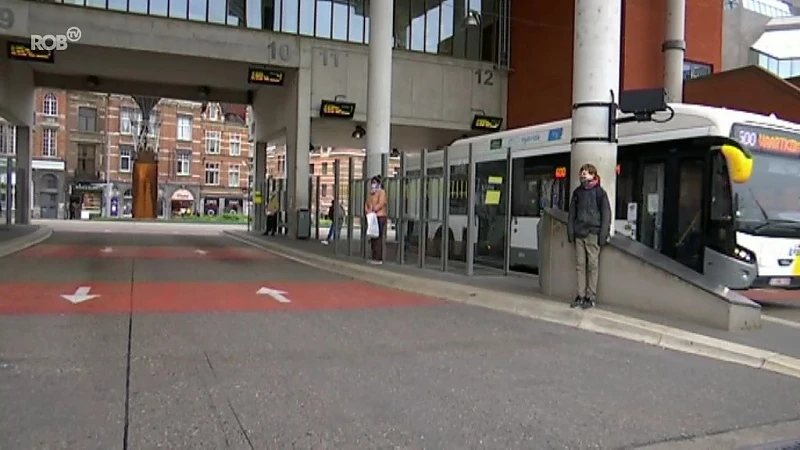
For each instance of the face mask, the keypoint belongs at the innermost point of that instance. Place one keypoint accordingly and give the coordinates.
(374, 187)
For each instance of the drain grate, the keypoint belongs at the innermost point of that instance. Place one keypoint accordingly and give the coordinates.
(791, 444)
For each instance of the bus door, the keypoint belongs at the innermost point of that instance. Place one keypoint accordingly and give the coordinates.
(671, 211)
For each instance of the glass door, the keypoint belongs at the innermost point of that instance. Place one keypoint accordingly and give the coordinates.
(652, 211)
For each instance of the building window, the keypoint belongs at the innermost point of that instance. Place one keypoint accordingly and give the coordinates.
(184, 128)
(50, 106)
(212, 173)
(236, 145)
(213, 139)
(324, 168)
(49, 142)
(324, 190)
(183, 163)
(311, 169)
(87, 119)
(127, 117)
(692, 70)
(125, 158)
(213, 112)
(86, 162)
(233, 175)
(8, 139)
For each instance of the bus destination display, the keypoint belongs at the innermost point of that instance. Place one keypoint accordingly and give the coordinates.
(330, 108)
(24, 52)
(264, 76)
(773, 141)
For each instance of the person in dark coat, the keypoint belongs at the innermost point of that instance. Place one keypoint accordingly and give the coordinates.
(588, 228)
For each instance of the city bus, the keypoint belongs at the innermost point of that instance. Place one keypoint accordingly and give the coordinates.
(717, 190)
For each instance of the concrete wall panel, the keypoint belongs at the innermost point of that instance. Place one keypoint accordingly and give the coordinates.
(427, 90)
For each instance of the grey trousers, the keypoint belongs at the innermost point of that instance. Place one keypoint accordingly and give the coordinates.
(587, 252)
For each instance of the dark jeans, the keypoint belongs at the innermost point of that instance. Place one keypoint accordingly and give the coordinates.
(334, 231)
(377, 243)
(272, 224)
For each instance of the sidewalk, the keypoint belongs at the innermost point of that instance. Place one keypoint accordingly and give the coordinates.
(772, 348)
(19, 237)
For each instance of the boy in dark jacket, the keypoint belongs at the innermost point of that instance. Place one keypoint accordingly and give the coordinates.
(589, 227)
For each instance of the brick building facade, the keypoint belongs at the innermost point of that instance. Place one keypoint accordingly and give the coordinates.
(86, 140)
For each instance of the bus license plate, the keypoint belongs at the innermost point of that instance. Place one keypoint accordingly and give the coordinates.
(780, 282)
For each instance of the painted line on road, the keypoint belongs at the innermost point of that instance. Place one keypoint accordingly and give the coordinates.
(25, 242)
(780, 321)
(602, 322)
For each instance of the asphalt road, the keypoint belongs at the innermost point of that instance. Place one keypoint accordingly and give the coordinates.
(178, 350)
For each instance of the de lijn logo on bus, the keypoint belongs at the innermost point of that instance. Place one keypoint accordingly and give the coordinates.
(50, 42)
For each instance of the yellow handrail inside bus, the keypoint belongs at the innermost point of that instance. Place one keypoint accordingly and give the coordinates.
(740, 162)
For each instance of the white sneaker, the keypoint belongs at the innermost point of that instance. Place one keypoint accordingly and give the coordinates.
(324, 242)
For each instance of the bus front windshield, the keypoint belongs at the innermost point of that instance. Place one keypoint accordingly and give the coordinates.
(769, 203)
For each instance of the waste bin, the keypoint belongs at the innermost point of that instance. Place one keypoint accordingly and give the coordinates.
(303, 224)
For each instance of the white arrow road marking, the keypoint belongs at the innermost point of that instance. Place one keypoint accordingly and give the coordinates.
(200, 252)
(107, 250)
(81, 295)
(279, 296)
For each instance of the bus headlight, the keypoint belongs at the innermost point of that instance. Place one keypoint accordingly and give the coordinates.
(744, 254)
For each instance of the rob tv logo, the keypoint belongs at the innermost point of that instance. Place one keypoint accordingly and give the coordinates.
(50, 42)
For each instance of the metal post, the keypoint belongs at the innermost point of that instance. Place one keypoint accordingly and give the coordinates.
(9, 191)
(385, 183)
(422, 237)
(350, 205)
(317, 181)
(336, 200)
(470, 244)
(365, 190)
(402, 210)
(249, 204)
(445, 208)
(507, 197)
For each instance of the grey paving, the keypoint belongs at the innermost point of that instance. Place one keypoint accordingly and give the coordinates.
(15, 231)
(447, 376)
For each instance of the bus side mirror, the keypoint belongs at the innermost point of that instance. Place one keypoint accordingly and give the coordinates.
(740, 163)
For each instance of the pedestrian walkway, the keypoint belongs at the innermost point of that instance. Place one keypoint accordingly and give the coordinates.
(774, 339)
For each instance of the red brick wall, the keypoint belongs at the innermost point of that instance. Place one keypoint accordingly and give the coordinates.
(747, 89)
(540, 85)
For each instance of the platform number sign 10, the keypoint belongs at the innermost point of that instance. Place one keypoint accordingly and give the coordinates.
(281, 51)
(6, 18)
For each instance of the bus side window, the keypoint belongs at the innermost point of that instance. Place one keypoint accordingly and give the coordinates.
(525, 191)
(720, 234)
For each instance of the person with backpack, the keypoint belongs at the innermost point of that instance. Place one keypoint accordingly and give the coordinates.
(336, 216)
(588, 228)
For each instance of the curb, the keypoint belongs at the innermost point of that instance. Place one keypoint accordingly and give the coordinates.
(598, 321)
(21, 243)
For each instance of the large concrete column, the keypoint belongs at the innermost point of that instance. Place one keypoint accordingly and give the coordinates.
(22, 188)
(674, 47)
(595, 74)
(298, 142)
(16, 91)
(379, 84)
(259, 185)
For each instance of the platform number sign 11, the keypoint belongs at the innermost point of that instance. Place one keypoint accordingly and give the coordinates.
(6, 18)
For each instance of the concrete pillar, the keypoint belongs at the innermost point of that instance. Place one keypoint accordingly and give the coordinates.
(16, 91)
(298, 142)
(379, 84)
(595, 74)
(22, 189)
(674, 47)
(259, 183)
